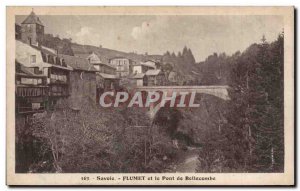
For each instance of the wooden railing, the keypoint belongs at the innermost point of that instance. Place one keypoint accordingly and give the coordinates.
(31, 91)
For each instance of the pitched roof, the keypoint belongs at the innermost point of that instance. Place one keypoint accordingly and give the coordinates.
(150, 64)
(23, 71)
(23, 47)
(137, 76)
(32, 19)
(78, 63)
(96, 59)
(119, 57)
(107, 76)
(152, 72)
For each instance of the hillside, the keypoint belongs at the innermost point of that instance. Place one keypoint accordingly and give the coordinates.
(106, 54)
(184, 65)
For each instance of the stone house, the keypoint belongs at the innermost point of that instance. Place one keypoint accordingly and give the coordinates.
(82, 81)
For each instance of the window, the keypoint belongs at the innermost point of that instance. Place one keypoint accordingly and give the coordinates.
(37, 70)
(33, 59)
(57, 61)
(29, 28)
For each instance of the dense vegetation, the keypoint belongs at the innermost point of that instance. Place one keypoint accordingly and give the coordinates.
(251, 139)
(63, 46)
(96, 140)
(183, 64)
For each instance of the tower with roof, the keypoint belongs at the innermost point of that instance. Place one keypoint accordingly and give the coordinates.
(32, 29)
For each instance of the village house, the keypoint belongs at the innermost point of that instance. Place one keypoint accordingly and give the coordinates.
(155, 78)
(141, 67)
(100, 65)
(82, 81)
(106, 82)
(138, 80)
(150, 64)
(106, 78)
(122, 65)
(41, 61)
(31, 91)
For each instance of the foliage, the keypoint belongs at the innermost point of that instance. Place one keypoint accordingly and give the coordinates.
(252, 137)
(63, 46)
(100, 140)
(182, 63)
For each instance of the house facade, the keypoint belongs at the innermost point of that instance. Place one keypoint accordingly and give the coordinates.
(138, 68)
(155, 78)
(40, 61)
(82, 81)
(31, 91)
(100, 65)
(106, 75)
(122, 65)
(138, 80)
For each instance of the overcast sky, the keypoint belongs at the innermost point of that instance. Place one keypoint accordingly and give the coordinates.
(157, 34)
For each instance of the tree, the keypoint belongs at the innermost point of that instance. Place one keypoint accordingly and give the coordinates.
(173, 56)
(252, 134)
(92, 140)
(71, 137)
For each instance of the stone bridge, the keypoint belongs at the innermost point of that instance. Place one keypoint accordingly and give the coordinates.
(218, 91)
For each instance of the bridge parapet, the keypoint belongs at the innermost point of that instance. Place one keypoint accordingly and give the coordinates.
(218, 91)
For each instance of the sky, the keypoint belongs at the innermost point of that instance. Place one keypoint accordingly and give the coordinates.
(156, 34)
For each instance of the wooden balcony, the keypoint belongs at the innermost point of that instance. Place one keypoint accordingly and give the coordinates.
(31, 91)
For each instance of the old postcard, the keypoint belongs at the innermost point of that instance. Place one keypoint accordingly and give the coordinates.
(150, 96)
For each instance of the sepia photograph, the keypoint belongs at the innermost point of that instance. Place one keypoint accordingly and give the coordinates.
(192, 94)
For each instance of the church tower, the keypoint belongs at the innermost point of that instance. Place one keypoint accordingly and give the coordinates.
(32, 29)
